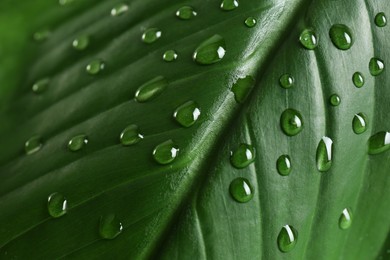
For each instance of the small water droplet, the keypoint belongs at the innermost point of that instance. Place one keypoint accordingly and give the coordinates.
(81, 42)
(283, 165)
(242, 87)
(250, 22)
(287, 238)
(65, 2)
(77, 142)
(380, 19)
(228, 5)
(41, 35)
(165, 152)
(119, 9)
(376, 66)
(324, 154)
(170, 55)
(358, 79)
(33, 145)
(57, 205)
(341, 36)
(131, 135)
(291, 122)
(186, 13)
(151, 89)
(210, 51)
(95, 67)
(110, 226)
(187, 114)
(379, 143)
(335, 100)
(151, 35)
(345, 220)
(286, 81)
(308, 39)
(242, 156)
(359, 123)
(40, 85)
(241, 190)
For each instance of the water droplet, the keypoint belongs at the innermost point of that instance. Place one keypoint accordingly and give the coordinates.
(241, 190)
(283, 165)
(324, 154)
(65, 2)
(187, 114)
(341, 36)
(359, 123)
(110, 226)
(345, 220)
(250, 22)
(380, 20)
(242, 156)
(287, 238)
(77, 142)
(119, 9)
(81, 42)
(291, 122)
(40, 85)
(41, 35)
(379, 143)
(286, 81)
(335, 100)
(33, 145)
(358, 79)
(376, 66)
(308, 39)
(170, 55)
(57, 205)
(165, 152)
(210, 51)
(131, 135)
(151, 89)
(229, 5)
(242, 87)
(186, 13)
(151, 35)
(95, 67)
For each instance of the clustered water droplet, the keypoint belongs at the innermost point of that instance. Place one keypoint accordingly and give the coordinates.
(57, 205)
(165, 152)
(287, 238)
(242, 156)
(187, 114)
(380, 19)
(250, 22)
(33, 145)
(77, 142)
(286, 81)
(186, 13)
(359, 123)
(170, 55)
(130, 135)
(228, 5)
(341, 36)
(151, 35)
(241, 190)
(291, 122)
(151, 89)
(210, 51)
(309, 39)
(95, 67)
(335, 100)
(358, 79)
(376, 66)
(283, 165)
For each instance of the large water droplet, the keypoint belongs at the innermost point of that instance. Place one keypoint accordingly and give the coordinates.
(358, 79)
(40, 85)
(33, 145)
(165, 152)
(250, 22)
(376, 66)
(359, 123)
(291, 122)
(77, 142)
(81, 42)
(286, 81)
(345, 220)
(151, 89)
(110, 226)
(287, 238)
(379, 143)
(283, 165)
(341, 36)
(242, 87)
(242, 156)
(241, 190)
(229, 5)
(210, 51)
(380, 20)
(324, 154)
(170, 55)
(187, 114)
(151, 35)
(41, 35)
(335, 100)
(130, 135)
(119, 9)
(308, 39)
(186, 13)
(95, 67)
(57, 205)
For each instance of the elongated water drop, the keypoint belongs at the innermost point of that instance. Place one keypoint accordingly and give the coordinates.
(228, 5)
(283, 165)
(345, 220)
(380, 19)
(57, 205)
(210, 51)
(165, 152)
(130, 135)
(241, 190)
(81, 42)
(242, 156)
(379, 143)
(187, 114)
(186, 13)
(308, 39)
(119, 9)
(324, 154)
(41, 35)
(151, 35)
(41, 85)
(33, 145)
(286, 81)
(358, 79)
(242, 87)
(341, 36)
(291, 122)
(250, 22)
(77, 142)
(110, 226)
(95, 67)
(151, 89)
(287, 238)
(376, 66)
(359, 123)
(334, 100)
(170, 55)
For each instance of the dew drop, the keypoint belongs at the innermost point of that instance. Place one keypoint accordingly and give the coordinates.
(65, 2)
(33, 145)
(77, 142)
(242, 156)
(358, 79)
(41, 85)
(95, 67)
(151, 89)
(308, 39)
(345, 220)
(376, 66)
(291, 122)
(283, 165)
(228, 5)
(187, 114)
(324, 154)
(242, 87)
(57, 205)
(241, 190)
(287, 238)
(110, 226)
(81, 42)
(335, 100)
(186, 13)
(341, 36)
(380, 19)
(165, 152)
(130, 135)
(170, 55)
(210, 51)
(151, 35)
(41, 35)
(286, 81)
(379, 143)
(250, 22)
(119, 9)
(359, 123)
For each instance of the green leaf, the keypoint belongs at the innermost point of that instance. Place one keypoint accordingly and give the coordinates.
(264, 135)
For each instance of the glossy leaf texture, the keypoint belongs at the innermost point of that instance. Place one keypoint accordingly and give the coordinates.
(213, 129)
